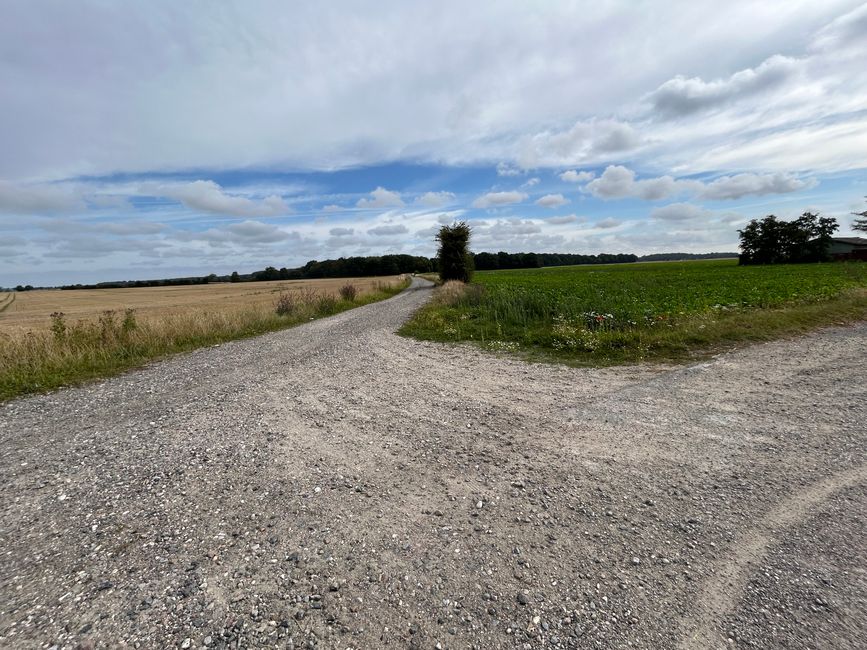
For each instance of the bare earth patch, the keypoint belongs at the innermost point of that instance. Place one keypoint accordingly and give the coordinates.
(337, 486)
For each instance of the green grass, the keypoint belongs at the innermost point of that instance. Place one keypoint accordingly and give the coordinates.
(72, 353)
(607, 314)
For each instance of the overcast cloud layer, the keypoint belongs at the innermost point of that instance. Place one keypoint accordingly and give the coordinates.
(166, 138)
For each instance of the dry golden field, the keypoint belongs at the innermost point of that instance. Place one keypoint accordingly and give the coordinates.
(31, 310)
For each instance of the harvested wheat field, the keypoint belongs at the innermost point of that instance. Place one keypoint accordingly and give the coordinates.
(33, 309)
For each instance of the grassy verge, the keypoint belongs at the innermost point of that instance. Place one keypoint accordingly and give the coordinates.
(71, 353)
(667, 312)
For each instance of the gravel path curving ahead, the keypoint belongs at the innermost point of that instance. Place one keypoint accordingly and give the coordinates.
(338, 486)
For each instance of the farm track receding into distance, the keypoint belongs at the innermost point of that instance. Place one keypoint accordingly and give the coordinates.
(339, 484)
(6, 301)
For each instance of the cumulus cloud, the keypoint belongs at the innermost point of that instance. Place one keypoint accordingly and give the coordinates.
(497, 199)
(208, 196)
(679, 97)
(508, 169)
(573, 176)
(384, 231)
(531, 182)
(341, 232)
(568, 218)
(256, 231)
(618, 182)
(436, 199)
(678, 212)
(511, 227)
(740, 185)
(584, 141)
(609, 222)
(552, 201)
(381, 198)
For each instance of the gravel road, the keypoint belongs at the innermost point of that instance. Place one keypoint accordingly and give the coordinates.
(338, 486)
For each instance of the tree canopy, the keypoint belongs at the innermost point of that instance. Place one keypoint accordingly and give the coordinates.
(861, 222)
(453, 257)
(773, 241)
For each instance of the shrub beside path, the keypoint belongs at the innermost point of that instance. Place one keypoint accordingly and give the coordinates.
(337, 486)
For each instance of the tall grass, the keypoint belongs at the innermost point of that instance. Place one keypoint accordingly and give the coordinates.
(625, 313)
(72, 352)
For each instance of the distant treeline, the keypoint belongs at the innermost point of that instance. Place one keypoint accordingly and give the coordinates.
(352, 267)
(345, 267)
(501, 260)
(674, 257)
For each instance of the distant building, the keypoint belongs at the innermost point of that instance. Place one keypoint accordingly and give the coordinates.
(848, 248)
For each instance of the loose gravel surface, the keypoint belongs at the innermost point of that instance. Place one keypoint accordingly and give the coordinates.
(338, 486)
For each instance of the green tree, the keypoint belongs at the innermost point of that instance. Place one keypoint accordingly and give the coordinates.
(772, 241)
(235, 277)
(453, 257)
(861, 222)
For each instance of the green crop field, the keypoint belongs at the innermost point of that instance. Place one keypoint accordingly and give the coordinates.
(629, 312)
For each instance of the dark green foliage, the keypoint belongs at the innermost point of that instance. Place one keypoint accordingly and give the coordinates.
(454, 260)
(861, 222)
(772, 241)
(503, 260)
(679, 257)
(345, 267)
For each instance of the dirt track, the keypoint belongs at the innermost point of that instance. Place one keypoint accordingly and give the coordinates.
(337, 486)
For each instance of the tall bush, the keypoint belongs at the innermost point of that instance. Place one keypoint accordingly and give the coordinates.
(453, 257)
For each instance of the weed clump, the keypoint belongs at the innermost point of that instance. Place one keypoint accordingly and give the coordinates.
(349, 292)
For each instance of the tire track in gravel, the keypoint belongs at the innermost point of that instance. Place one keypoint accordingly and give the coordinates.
(721, 593)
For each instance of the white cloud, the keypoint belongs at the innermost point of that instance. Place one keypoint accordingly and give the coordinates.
(618, 182)
(341, 232)
(383, 231)
(585, 141)
(679, 212)
(568, 218)
(436, 199)
(552, 201)
(680, 96)
(381, 198)
(332, 208)
(497, 199)
(740, 185)
(39, 198)
(573, 176)
(516, 227)
(508, 169)
(208, 196)
(609, 222)
(233, 85)
(531, 182)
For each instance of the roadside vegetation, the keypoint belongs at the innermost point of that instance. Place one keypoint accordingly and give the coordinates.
(602, 315)
(70, 352)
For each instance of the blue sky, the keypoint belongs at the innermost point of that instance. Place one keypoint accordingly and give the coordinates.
(163, 139)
